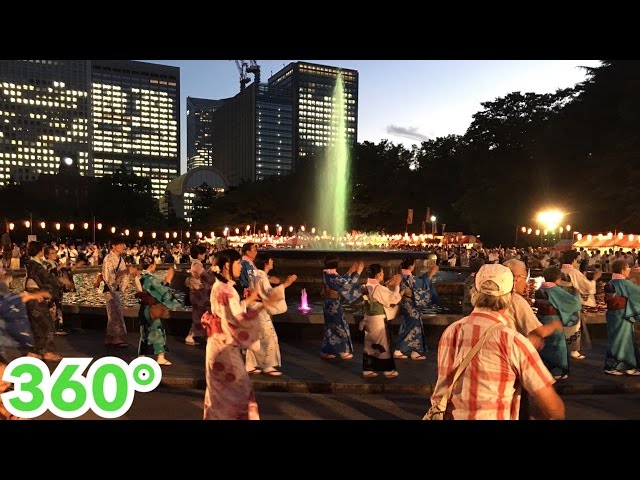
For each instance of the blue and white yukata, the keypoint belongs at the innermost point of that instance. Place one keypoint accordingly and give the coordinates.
(417, 293)
(336, 339)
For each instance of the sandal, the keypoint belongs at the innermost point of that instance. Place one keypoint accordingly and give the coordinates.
(402, 355)
(326, 356)
(369, 374)
(255, 371)
(418, 357)
(346, 356)
(273, 373)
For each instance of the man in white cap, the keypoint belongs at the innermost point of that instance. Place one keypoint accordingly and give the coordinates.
(489, 388)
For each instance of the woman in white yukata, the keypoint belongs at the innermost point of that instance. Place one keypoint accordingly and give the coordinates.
(230, 328)
(264, 356)
(380, 304)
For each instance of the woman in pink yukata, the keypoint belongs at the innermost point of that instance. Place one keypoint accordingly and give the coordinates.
(231, 328)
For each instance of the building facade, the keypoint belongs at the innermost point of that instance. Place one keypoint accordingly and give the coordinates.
(45, 114)
(234, 144)
(311, 88)
(105, 115)
(253, 137)
(274, 124)
(200, 131)
(136, 120)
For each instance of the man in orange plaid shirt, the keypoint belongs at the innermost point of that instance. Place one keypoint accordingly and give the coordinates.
(487, 389)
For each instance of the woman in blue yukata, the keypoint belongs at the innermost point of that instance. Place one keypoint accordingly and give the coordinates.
(555, 303)
(623, 311)
(337, 337)
(417, 293)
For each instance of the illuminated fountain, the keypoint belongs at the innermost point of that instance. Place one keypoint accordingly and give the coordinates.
(334, 183)
(304, 303)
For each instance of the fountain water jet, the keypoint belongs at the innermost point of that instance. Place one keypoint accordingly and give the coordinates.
(304, 302)
(333, 187)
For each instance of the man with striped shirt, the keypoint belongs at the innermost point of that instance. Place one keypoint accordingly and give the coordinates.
(489, 388)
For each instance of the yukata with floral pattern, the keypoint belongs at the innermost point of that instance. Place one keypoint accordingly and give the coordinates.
(229, 394)
(153, 337)
(417, 293)
(337, 337)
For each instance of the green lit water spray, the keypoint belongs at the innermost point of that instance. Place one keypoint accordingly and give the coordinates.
(334, 182)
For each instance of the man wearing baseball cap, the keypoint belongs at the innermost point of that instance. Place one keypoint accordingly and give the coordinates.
(489, 387)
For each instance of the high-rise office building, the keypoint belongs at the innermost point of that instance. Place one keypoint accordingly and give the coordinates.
(136, 120)
(104, 115)
(234, 144)
(200, 131)
(274, 125)
(253, 134)
(311, 88)
(44, 117)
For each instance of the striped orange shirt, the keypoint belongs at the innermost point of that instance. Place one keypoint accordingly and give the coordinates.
(487, 388)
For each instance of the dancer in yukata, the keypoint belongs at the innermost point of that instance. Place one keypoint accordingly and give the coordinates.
(555, 303)
(417, 292)
(337, 337)
(380, 305)
(153, 337)
(623, 311)
(230, 328)
(264, 356)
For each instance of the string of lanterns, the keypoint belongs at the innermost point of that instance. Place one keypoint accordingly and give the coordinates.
(537, 231)
(71, 227)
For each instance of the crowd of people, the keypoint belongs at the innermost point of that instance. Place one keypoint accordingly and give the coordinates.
(519, 351)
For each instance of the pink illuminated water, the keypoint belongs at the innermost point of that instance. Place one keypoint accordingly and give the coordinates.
(304, 303)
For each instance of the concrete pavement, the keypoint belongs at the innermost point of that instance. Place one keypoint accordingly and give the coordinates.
(305, 372)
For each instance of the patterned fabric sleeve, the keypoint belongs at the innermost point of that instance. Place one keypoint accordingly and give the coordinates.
(45, 280)
(160, 292)
(109, 265)
(228, 296)
(347, 285)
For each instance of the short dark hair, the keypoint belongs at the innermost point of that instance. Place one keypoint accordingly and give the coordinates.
(261, 261)
(197, 250)
(33, 248)
(568, 256)
(551, 274)
(117, 241)
(619, 265)
(407, 262)
(373, 270)
(331, 260)
(246, 247)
